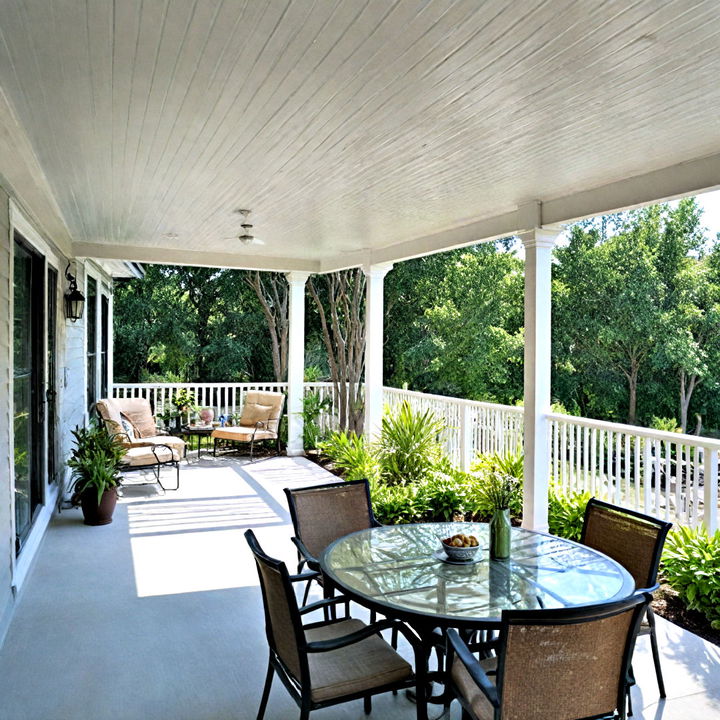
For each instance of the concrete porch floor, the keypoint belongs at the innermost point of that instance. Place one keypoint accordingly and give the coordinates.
(159, 614)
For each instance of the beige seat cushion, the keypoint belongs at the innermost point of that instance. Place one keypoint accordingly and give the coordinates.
(174, 442)
(473, 695)
(144, 455)
(138, 412)
(361, 666)
(242, 434)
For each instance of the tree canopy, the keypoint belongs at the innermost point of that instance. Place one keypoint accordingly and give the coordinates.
(636, 321)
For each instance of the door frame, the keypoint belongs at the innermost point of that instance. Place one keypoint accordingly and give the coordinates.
(20, 224)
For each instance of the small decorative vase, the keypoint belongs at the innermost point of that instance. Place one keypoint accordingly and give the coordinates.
(178, 422)
(207, 415)
(500, 535)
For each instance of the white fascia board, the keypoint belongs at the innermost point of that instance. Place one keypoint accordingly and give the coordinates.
(688, 178)
(169, 256)
(682, 180)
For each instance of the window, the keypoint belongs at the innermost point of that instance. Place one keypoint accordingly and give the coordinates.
(91, 333)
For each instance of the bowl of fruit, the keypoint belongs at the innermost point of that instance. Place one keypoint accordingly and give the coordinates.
(460, 547)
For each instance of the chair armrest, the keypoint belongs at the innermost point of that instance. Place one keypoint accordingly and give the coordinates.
(320, 604)
(304, 576)
(472, 666)
(366, 632)
(312, 562)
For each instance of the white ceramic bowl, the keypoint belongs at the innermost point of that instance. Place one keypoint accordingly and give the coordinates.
(460, 553)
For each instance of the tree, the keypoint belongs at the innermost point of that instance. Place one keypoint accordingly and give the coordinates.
(271, 289)
(339, 300)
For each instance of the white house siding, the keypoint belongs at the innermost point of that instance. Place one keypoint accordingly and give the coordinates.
(7, 540)
(71, 398)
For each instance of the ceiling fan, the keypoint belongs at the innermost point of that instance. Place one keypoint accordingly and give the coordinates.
(246, 237)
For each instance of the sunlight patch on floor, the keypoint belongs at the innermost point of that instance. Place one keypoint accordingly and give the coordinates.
(190, 562)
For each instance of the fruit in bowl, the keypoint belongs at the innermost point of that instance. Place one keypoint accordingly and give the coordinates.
(460, 546)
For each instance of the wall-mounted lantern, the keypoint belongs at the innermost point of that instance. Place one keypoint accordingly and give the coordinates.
(74, 299)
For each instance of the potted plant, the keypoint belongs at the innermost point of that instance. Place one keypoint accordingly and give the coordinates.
(184, 401)
(95, 464)
(499, 491)
(167, 415)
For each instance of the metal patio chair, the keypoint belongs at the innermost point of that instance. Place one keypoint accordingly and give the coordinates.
(636, 542)
(550, 664)
(329, 662)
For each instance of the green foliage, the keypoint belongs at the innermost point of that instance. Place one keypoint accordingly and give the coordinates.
(691, 565)
(566, 513)
(665, 424)
(409, 449)
(350, 454)
(313, 406)
(395, 504)
(496, 491)
(512, 464)
(95, 460)
(444, 494)
(184, 399)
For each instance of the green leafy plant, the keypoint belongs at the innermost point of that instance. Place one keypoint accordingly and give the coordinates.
(444, 494)
(566, 513)
(184, 400)
(95, 460)
(665, 424)
(499, 492)
(691, 565)
(313, 406)
(511, 464)
(350, 454)
(393, 504)
(408, 448)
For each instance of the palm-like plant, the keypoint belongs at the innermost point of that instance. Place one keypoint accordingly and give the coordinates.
(409, 446)
(95, 460)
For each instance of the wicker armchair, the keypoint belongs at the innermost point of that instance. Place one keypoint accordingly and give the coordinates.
(330, 662)
(550, 664)
(323, 513)
(636, 542)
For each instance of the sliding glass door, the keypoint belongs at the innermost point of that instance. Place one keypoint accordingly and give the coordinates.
(28, 370)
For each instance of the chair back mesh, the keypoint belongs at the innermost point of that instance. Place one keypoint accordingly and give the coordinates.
(627, 539)
(324, 514)
(280, 607)
(564, 671)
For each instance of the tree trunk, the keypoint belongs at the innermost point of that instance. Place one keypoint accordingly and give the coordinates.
(272, 292)
(632, 377)
(342, 322)
(687, 387)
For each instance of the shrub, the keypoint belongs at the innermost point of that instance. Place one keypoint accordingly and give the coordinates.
(665, 424)
(566, 513)
(691, 565)
(444, 494)
(350, 455)
(409, 449)
(393, 504)
(511, 464)
(313, 406)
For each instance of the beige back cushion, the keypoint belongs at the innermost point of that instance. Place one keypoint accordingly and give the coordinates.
(265, 407)
(110, 414)
(138, 412)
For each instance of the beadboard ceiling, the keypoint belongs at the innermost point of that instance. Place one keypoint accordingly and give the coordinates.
(355, 130)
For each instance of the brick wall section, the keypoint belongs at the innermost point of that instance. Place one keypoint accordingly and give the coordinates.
(7, 547)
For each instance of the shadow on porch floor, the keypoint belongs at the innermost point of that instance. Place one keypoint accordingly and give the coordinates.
(159, 616)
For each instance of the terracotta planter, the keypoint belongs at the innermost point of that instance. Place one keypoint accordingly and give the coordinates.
(95, 514)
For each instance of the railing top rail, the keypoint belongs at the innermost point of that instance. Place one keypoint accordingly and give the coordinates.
(637, 430)
(199, 384)
(457, 401)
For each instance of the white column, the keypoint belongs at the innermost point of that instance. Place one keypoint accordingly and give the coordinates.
(374, 335)
(296, 361)
(539, 244)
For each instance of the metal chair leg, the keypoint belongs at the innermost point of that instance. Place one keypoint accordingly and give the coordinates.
(367, 704)
(655, 652)
(266, 691)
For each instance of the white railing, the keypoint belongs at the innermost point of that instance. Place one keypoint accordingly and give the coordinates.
(472, 427)
(667, 475)
(663, 474)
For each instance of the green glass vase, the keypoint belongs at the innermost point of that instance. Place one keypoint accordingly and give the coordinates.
(500, 535)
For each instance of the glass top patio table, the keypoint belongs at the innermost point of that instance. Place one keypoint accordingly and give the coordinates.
(393, 569)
